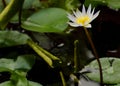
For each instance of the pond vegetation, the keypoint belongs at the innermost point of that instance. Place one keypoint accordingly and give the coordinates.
(59, 42)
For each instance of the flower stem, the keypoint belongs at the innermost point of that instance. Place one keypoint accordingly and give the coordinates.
(62, 78)
(20, 15)
(96, 55)
(75, 56)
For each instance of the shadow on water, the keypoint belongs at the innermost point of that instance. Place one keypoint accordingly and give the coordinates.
(62, 46)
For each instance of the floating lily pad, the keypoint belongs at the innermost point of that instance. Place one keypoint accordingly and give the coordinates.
(110, 69)
(47, 20)
(12, 38)
(6, 64)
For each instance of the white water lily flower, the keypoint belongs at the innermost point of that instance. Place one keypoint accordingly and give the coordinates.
(83, 18)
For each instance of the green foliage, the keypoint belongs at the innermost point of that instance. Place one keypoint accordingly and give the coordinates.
(72, 4)
(65, 4)
(6, 65)
(110, 68)
(114, 4)
(27, 4)
(12, 38)
(47, 16)
(9, 83)
(27, 62)
(94, 2)
(12, 8)
(47, 20)
(18, 69)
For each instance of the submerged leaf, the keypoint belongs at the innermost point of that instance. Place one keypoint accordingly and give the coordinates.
(24, 63)
(9, 83)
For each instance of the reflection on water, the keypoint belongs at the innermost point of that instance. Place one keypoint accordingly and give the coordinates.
(84, 81)
(88, 83)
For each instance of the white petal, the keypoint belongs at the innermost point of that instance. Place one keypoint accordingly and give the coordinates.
(73, 24)
(95, 15)
(93, 11)
(75, 13)
(91, 14)
(83, 10)
(78, 13)
(71, 17)
(89, 10)
(88, 26)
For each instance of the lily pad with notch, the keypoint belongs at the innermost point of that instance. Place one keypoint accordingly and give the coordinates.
(110, 69)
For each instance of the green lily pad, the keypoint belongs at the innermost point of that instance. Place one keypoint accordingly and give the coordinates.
(6, 83)
(110, 69)
(47, 20)
(12, 38)
(114, 4)
(6, 65)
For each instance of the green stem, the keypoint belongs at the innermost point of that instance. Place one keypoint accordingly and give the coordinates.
(48, 57)
(40, 53)
(10, 10)
(49, 54)
(95, 53)
(63, 79)
(75, 56)
(20, 15)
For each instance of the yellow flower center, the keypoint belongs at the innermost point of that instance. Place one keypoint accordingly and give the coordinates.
(82, 20)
